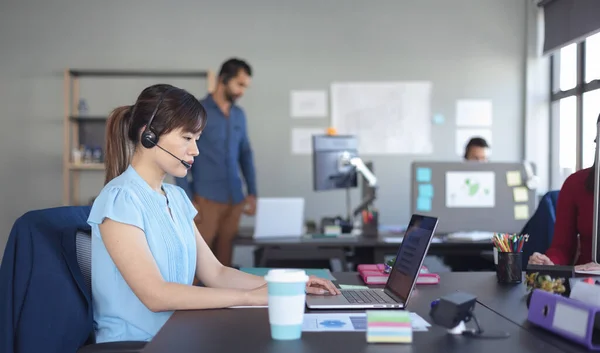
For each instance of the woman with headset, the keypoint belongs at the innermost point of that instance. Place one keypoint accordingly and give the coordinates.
(573, 230)
(146, 249)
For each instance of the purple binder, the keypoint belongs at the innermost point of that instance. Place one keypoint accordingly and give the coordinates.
(569, 318)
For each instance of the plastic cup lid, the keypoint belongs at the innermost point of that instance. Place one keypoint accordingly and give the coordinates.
(286, 275)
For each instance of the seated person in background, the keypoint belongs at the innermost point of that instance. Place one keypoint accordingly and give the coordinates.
(477, 150)
(146, 249)
(574, 224)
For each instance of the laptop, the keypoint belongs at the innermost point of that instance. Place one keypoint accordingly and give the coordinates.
(401, 281)
(279, 217)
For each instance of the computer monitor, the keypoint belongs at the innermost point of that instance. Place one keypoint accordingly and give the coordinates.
(329, 173)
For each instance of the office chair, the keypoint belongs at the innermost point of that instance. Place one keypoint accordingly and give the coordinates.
(45, 302)
(83, 248)
(540, 226)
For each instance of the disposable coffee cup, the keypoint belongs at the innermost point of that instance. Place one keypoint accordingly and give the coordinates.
(287, 298)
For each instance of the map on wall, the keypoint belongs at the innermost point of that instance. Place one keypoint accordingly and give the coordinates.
(387, 117)
(470, 189)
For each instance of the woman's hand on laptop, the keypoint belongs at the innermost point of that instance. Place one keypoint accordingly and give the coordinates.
(590, 266)
(316, 285)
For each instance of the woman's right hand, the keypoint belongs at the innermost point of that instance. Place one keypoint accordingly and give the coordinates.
(258, 296)
(540, 259)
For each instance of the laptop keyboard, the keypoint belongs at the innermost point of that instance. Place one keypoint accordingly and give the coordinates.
(367, 296)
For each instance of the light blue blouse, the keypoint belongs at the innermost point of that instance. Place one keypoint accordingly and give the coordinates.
(118, 313)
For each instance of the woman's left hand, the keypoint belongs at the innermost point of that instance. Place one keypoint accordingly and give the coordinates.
(590, 266)
(316, 285)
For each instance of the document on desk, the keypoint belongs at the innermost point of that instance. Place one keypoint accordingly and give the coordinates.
(345, 322)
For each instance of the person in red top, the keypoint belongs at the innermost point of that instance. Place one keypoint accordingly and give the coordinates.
(574, 216)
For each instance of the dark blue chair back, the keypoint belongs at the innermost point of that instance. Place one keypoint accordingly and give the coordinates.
(540, 226)
(45, 305)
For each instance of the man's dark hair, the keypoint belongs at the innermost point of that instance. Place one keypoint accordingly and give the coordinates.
(476, 142)
(231, 67)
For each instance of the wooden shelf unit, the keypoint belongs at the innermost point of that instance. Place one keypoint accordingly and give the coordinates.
(71, 170)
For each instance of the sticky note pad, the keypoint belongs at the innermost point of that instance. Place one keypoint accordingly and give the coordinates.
(426, 190)
(513, 178)
(389, 326)
(424, 204)
(521, 212)
(424, 175)
(521, 194)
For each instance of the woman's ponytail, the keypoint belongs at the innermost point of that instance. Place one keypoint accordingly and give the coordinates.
(118, 149)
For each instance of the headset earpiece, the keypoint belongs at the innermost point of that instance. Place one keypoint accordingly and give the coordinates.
(149, 139)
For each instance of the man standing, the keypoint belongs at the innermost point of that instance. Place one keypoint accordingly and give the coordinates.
(216, 187)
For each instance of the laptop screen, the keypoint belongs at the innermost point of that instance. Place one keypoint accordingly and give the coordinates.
(410, 256)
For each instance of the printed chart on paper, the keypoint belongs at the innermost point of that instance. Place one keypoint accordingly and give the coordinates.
(470, 189)
(387, 117)
(341, 322)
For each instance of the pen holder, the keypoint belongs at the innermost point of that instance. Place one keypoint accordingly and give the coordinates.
(509, 267)
(370, 228)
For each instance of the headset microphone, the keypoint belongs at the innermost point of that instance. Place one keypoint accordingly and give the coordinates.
(185, 164)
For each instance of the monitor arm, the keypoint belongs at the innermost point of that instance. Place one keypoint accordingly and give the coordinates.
(356, 163)
(347, 159)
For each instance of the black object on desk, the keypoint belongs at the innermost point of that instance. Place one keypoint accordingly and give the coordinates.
(370, 223)
(553, 272)
(456, 308)
(510, 267)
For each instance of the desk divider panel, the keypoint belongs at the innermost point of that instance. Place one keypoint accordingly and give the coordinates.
(473, 196)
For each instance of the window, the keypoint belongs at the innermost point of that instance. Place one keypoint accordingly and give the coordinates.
(575, 102)
(592, 58)
(591, 111)
(568, 67)
(568, 134)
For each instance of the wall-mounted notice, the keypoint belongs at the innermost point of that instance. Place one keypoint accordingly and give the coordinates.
(426, 190)
(423, 175)
(308, 104)
(387, 117)
(521, 194)
(521, 212)
(438, 119)
(301, 139)
(474, 112)
(470, 189)
(464, 135)
(513, 178)
(423, 204)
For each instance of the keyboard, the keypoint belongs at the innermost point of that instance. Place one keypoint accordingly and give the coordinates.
(367, 296)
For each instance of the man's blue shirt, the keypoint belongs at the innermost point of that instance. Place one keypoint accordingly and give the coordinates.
(224, 149)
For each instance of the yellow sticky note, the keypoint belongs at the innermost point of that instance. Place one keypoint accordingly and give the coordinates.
(521, 212)
(521, 194)
(513, 178)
